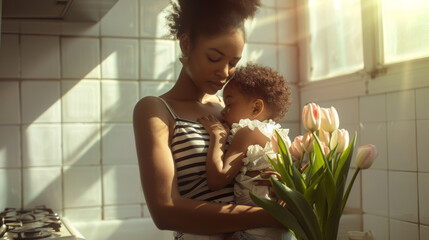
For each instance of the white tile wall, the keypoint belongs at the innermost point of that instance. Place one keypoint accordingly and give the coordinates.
(403, 230)
(81, 144)
(401, 105)
(42, 186)
(40, 57)
(122, 211)
(118, 145)
(66, 96)
(402, 146)
(260, 53)
(83, 214)
(41, 102)
(121, 20)
(10, 151)
(157, 59)
(154, 88)
(10, 189)
(153, 22)
(294, 112)
(424, 232)
(122, 185)
(287, 32)
(423, 179)
(375, 196)
(287, 64)
(81, 100)
(41, 145)
(80, 29)
(378, 225)
(422, 145)
(372, 108)
(9, 102)
(80, 58)
(118, 99)
(119, 58)
(263, 27)
(82, 186)
(354, 200)
(41, 27)
(348, 110)
(376, 134)
(286, 3)
(422, 98)
(403, 189)
(9, 56)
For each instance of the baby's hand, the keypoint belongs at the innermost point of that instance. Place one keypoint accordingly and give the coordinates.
(214, 126)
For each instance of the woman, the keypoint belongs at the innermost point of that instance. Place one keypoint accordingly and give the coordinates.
(172, 145)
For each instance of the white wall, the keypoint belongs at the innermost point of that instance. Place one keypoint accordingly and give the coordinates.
(390, 112)
(67, 91)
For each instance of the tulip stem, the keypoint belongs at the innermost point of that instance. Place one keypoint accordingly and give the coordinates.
(349, 188)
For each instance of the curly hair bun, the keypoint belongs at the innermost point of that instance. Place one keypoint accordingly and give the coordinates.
(209, 16)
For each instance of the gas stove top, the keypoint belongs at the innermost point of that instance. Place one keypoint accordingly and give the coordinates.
(36, 223)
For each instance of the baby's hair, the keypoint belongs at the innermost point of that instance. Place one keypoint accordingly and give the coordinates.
(257, 81)
(209, 17)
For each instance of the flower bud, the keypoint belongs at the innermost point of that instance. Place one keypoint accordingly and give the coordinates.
(307, 142)
(311, 117)
(329, 119)
(324, 137)
(366, 154)
(340, 137)
(296, 149)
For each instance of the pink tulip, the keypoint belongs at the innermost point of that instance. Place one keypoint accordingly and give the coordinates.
(296, 149)
(275, 142)
(307, 142)
(311, 117)
(340, 137)
(366, 154)
(329, 119)
(324, 137)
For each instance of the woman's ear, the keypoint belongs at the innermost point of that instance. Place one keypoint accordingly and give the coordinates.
(185, 44)
(258, 107)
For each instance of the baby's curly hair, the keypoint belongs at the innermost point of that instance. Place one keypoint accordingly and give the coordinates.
(209, 17)
(263, 82)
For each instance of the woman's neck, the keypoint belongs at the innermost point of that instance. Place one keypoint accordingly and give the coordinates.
(185, 90)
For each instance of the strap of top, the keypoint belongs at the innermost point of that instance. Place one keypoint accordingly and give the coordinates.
(169, 109)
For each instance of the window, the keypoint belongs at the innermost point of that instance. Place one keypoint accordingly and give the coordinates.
(349, 36)
(405, 29)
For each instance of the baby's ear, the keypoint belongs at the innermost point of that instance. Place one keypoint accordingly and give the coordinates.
(258, 107)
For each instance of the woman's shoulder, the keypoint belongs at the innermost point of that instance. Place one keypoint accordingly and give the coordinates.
(150, 106)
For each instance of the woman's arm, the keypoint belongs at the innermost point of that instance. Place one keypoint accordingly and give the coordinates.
(168, 209)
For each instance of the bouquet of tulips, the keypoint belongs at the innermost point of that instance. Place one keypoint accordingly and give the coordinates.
(313, 171)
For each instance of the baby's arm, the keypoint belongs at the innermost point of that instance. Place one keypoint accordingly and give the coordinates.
(222, 168)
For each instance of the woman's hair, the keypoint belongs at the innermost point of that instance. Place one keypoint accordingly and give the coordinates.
(257, 81)
(209, 17)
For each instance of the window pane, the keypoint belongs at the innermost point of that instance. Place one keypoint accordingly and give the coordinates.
(406, 29)
(336, 37)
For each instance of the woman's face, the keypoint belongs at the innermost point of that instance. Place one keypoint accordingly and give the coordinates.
(237, 105)
(213, 59)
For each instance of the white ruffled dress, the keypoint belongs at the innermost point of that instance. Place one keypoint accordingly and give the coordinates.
(255, 160)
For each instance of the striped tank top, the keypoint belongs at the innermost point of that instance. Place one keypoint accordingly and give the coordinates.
(189, 146)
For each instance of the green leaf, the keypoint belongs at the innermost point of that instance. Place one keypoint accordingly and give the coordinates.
(310, 190)
(299, 207)
(281, 169)
(281, 214)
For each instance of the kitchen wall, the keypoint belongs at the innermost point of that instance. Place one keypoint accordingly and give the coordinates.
(390, 112)
(67, 91)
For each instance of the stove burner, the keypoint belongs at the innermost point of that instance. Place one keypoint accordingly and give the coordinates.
(37, 223)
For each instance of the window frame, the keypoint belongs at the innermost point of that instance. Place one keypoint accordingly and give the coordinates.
(376, 76)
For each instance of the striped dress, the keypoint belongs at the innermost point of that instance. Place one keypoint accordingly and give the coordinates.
(189, 146)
